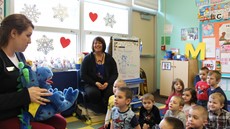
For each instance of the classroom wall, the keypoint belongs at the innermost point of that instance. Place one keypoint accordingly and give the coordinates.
(180, 14)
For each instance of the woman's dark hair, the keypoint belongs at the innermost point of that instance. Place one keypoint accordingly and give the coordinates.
(100, 39)
(175, 122)
(193, 93)
(19, 22)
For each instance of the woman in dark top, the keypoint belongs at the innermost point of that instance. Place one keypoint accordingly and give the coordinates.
(98, 71)
(15, 36)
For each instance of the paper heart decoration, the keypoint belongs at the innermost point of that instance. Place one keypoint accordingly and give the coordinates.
(93, 16)
(64, 42)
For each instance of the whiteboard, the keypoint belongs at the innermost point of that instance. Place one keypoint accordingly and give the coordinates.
(126, 53)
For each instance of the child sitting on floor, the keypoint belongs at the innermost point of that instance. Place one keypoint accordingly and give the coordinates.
(197, 117)
(175, 109)
(176, 90)
(170, 123)
(218, 118)
(122, 115)
(213, 80)
(149, 114)
(190, 99)
(117, 84)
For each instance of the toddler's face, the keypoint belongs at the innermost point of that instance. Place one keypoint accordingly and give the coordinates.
(214, 104)
(178, 87)
(203, 75)
(120, 99)
(187, 96)
(148, 104)
(116, 86)
(195, 119)
(174, 104)
(211, 80)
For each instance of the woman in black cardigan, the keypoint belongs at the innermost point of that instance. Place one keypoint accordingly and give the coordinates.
(98, 71)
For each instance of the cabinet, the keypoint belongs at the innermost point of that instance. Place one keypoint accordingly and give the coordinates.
(171, 69)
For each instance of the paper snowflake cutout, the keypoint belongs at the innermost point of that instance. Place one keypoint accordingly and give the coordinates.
(60, 12)
(45, 45)
(31, 12)
(109, 20)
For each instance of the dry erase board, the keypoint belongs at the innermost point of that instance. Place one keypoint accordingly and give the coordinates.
(126, 52)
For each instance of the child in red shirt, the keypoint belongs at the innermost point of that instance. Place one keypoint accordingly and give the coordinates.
(202, 87)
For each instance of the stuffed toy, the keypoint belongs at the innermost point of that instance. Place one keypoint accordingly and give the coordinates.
(59, 101)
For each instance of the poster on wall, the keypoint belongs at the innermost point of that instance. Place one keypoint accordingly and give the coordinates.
(210, 47)
(201, 2)
(207, 29)
(225, 62)
(1, 10)
(189, 34)
(218, 11)
(216, 1)
(224, 37)
(210, 64)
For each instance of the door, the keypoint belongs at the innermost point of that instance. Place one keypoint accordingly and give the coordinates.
(145, 30)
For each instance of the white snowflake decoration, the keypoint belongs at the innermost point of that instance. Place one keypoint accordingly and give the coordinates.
(109, 20)
(31, 12)
(45, 44)
(60, 12)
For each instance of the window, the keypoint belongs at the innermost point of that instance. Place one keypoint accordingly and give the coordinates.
(55, 39)
(59, 37)
(50, 13)
(53, 49)
(104, 19)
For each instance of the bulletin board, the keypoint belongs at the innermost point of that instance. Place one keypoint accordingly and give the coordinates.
(216, 35)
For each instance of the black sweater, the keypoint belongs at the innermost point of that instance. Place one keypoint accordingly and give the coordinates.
(88, 70)
(151, 118)
(11, 101)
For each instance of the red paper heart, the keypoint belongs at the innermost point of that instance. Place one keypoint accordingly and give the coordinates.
(64, 42)
(93, 16)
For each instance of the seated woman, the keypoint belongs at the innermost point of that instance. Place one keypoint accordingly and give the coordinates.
(98, 71)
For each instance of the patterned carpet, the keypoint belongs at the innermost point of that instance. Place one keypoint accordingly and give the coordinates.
(97, 120)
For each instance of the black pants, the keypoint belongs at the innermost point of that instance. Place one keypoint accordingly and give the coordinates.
(97, 99)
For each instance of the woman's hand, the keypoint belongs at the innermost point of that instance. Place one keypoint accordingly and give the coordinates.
(145, 126)
(105, 85)
(37, 95)
(99, 85)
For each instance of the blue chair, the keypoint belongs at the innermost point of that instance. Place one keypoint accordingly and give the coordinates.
(62, 80)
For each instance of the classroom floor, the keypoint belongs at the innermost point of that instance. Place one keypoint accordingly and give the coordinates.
(98, 119)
